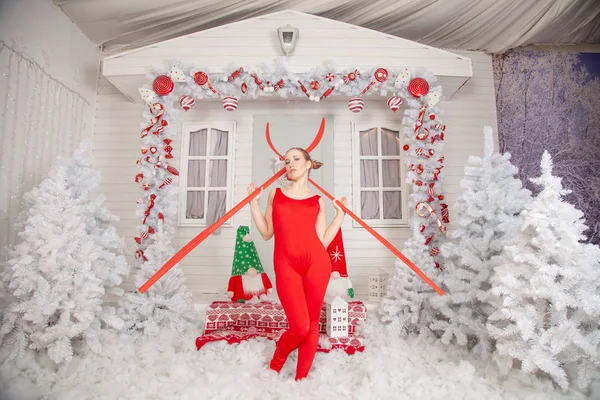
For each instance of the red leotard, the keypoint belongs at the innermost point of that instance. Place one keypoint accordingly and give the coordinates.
(302, 270)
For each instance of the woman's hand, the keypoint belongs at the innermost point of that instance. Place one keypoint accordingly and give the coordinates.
(251, 189)
(343, 201)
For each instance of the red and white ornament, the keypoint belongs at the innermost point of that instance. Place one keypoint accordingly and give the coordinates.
(139, 177)
(381, 75)
(330, 77)
(356, 104)
(144, 235)
(244, 87)
(186, 102)
(153, 149)
(162, 85)
(418, 87)
(394, 103)
(315, 85)
(201, 78)
(166, 182)
(172, 170)
(230, 103)
(434, 251)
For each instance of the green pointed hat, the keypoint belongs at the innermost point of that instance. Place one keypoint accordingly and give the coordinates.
(245, 255)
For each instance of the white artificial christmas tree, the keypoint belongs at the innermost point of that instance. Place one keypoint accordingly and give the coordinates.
(82, 179)
(549, 282)
(63, 264)
(167, 303)
(487, 216)
(405, 304)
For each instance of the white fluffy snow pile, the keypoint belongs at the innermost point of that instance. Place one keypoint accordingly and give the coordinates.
(169, 367)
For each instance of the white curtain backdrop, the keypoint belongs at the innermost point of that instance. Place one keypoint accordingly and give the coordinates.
(40, 118)
(488, 25)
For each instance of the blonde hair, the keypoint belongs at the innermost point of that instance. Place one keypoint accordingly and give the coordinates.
(314, 164)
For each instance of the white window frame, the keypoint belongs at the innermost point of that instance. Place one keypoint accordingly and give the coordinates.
(187, 128)
(356, 158)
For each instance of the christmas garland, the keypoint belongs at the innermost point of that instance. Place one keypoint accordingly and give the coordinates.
(182, 86)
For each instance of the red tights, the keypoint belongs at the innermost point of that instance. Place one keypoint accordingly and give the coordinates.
(301, 296)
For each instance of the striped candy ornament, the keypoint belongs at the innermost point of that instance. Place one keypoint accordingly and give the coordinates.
(166, 182)
(186, 102)
(356, 104)
(230, 103)
(394, 103)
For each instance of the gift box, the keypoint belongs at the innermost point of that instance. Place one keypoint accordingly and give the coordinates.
(235, 322)
(350, 344)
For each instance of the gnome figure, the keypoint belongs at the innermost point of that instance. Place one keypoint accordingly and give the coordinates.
(339, 282)
(248, 279)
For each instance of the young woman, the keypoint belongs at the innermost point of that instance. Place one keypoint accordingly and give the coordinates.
(296, 217)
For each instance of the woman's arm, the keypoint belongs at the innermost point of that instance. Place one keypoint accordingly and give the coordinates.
(327, 233)
(264, 223)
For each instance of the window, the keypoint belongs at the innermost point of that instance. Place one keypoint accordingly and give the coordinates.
(378, 175)
(206, 184)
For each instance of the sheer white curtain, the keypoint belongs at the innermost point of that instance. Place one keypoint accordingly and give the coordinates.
(390, 206)
(196, 175)
(40, 118)
(216, 187)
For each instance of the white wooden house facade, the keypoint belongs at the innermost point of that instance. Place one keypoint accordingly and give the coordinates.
(469, 104)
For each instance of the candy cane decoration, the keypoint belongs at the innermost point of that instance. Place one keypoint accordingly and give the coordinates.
(419, 209)
(420, 119)
(153, 121)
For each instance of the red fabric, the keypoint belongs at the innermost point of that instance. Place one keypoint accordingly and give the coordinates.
(302, 269)
(236, 286)
(337, 254)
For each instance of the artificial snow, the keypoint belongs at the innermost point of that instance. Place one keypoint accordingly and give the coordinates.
(132, 366)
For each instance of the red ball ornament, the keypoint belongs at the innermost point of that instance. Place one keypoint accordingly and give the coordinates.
(441, 197)
(139, 177)
(432, 116)
(168, 148)
(153, 149)
(422, 228)
(162, 85)
(144, 150)
(315, 85)
(405, 147)
(244, 87)
(418, 87)
(201, 78)
(381, 75)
